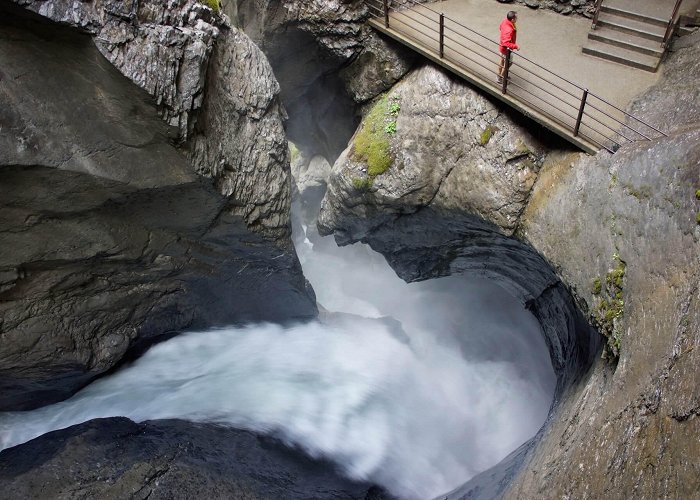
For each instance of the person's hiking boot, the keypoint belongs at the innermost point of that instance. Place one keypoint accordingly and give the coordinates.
(499, 79)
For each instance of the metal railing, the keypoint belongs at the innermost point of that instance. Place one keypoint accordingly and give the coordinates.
(578, 111)
(671, 26)
(596, 13)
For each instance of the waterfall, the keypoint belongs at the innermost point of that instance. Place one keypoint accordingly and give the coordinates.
(416, 387)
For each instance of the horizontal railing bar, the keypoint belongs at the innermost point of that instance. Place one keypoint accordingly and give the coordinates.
(593, 141)
(610, 140)
(574, 106)
(463, 56)
(577, 97)
(627, 114)
(593, 106)
(396, 13)
(394, 9)
(515, 84)
(415, 29)
(613, 130)
(619, 131)
(495, 63)
(467, 38)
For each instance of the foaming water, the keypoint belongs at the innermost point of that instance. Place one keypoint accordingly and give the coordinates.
(415, 387)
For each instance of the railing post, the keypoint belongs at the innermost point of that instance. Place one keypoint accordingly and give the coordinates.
(506, 70)
(671, 24)
(580, 112)
(386, 13)
(442, 35)
(596, 13)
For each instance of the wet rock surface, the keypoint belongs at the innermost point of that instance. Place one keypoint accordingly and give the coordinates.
(108, 239)
(117, 458)
(163, 50)
(239, 140)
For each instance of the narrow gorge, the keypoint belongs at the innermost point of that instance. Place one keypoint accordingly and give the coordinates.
(254, 249)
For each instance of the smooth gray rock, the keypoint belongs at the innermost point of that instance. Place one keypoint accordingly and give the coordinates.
(168, 459)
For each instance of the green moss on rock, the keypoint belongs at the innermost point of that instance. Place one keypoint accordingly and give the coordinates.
(362, 184)
(371, 143)
(215, 5)
(611, 307)
(485, 136)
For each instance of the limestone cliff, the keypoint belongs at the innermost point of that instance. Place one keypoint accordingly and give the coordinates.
(208, 80)
(619, 241)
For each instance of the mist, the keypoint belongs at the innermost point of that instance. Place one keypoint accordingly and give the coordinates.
(416, 387)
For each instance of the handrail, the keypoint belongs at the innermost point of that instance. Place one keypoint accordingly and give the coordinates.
(671, 23)
(598, 5)
(591, 112)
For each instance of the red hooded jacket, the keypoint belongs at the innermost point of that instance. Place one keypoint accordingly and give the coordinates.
(508, 35)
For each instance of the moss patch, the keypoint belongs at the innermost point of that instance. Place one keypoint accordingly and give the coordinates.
(362, 184)
(293, 152)
(371, 144)
(697, 194)
(215, 5)
(611, 307)
(485, 136)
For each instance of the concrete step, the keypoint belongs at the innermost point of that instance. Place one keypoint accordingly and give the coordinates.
(621, 55)
(632, 26)
(690, 20)
(610, 36)
(686, 30)
(627, 12)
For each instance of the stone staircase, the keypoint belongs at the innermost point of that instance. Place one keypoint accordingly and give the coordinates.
(629, 35)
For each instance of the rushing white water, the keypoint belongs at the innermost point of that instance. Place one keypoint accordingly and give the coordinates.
(415, 387)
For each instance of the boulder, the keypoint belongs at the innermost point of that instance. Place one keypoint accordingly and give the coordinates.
(117, 458)
(452, 149)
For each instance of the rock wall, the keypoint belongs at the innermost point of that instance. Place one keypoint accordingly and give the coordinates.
(327, 61)
(624, 432)
(188, 58)
(608, 240)
(108, 238)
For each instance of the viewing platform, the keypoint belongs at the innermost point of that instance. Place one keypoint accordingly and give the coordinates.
(579, 97)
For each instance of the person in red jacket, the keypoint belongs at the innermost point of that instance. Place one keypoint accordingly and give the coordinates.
(507, 41)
